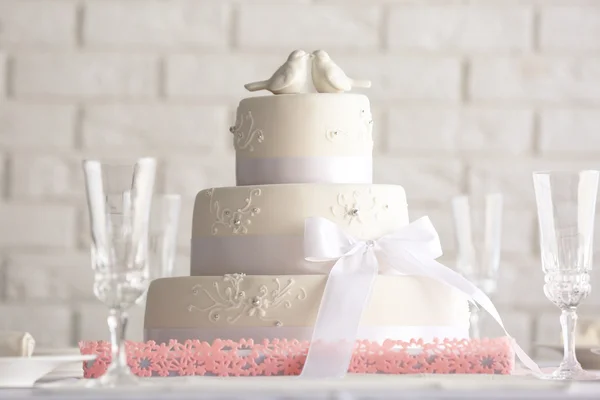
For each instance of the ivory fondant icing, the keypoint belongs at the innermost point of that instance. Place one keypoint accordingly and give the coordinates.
(290, 132)
(200, 306)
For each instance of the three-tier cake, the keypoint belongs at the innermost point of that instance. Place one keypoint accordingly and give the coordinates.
(298, 156)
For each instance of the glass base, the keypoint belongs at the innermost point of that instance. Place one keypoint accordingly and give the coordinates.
(573, 373)
(115, 377)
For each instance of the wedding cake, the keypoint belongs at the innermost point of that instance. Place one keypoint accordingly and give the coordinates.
(298, 156)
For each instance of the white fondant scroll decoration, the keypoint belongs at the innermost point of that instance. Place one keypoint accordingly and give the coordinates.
(231, 302)
(236, 220)
(244, 137)
(359, 207)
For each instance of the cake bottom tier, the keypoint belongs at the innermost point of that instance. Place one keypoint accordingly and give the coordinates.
(236, 306)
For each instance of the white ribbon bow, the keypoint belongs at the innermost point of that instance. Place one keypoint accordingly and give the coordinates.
(411, 250)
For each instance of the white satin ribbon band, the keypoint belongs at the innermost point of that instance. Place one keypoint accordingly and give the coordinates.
(372, 333)
(411, 250)
(259, 254)
(266, 171)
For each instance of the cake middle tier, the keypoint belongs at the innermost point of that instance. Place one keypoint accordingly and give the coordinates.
(303, 138)
(259, 230)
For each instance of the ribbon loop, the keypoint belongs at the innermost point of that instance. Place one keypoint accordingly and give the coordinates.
(411, 250)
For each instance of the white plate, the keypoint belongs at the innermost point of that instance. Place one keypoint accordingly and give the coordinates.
(68, 370)
(25, 371)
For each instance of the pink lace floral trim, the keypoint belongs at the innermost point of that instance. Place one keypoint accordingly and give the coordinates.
(286, 357)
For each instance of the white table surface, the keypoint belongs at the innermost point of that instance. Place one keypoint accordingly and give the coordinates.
(352, 387)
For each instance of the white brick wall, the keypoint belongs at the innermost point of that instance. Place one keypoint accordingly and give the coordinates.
(327, 26)
(468, 96)
(37, 23)
(181, 23)
(41, 126)
(471, 130)
(551, 79)
(570, 29)
(463, 28)
(69, 75)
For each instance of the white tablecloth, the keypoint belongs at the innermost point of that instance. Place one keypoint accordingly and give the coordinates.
(352, 387)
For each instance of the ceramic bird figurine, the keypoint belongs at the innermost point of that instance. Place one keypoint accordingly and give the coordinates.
(289, 78)
(328, 77)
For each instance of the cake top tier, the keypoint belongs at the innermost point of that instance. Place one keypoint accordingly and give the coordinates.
(295, 137)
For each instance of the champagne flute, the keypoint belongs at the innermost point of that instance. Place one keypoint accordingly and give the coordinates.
(478, 260)
(119, 199)
(566, 206)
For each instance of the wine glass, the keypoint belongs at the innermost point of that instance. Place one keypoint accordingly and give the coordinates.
(478, 259)
(566, 206)
(119, 201)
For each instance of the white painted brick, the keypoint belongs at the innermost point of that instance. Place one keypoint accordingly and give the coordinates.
(535, 78)
(3, 173)
(570, 131)
(518, 324)
(519, 228)
(93, 325)
(185, 226)
(216, 75)
(425, 180)
(406, 78)
(520, 283)
(64, 277)
(50, 325)
(45, 226)
(422, 130)
(45, 177)
(187, 176)
(465, 28)
(85, 75)
(514, 241)
(471, 129)
(37, 23)
(3, 75)
(156, 127)
(36, 126)
(496, 131)
(176, 23)
(182, 263)
(570, 28)
(295, 26)
(513, 178)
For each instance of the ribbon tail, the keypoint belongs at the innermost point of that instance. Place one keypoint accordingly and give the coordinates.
(435, 270)
(346, 294)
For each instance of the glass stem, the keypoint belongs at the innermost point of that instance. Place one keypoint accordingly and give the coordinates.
(117, 322)
(568, 320)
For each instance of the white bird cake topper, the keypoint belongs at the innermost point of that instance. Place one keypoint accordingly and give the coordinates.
(328, 77)
(288, 79)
